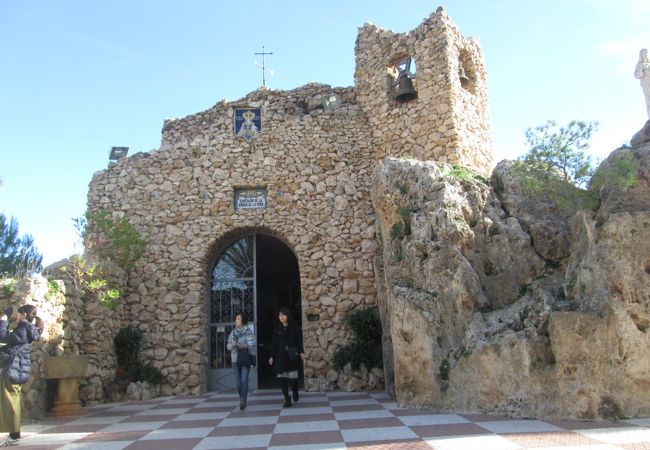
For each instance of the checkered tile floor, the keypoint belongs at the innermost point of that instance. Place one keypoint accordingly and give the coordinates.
(332, 420)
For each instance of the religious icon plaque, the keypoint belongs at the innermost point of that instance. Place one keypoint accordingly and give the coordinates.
(248, 122)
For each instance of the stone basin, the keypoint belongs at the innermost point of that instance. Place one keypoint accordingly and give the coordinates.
(67, 370)
(68, 366)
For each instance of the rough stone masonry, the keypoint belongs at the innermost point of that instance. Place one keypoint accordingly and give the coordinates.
(316, 164)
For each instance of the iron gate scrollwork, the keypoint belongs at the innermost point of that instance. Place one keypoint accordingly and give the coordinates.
(232, 292)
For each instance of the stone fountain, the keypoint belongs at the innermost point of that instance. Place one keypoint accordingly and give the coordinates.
(67, 369)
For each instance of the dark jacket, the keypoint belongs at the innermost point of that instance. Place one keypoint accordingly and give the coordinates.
(290, 336)
(18, 347)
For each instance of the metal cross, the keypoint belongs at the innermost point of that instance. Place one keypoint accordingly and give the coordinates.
(263, 65)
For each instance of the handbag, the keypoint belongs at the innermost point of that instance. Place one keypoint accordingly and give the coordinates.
(245, 358)
(292, 352)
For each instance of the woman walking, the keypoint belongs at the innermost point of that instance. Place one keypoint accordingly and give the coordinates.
(286, 354)
(16, 366)
(241, 338)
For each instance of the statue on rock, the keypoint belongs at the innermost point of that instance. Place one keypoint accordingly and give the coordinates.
(642, 72)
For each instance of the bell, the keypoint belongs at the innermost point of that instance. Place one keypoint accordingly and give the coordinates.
(405, 91)
(463, 78)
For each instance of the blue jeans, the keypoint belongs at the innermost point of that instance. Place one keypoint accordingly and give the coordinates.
(241, 374)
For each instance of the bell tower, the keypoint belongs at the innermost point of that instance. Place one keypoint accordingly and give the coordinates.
(424, 93)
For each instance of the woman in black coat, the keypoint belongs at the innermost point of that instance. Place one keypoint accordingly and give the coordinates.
(16, 367)
(287, 352)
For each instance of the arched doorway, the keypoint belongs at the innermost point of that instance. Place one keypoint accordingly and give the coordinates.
(257, 274)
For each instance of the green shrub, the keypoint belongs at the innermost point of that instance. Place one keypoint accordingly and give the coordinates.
(403, 228)
(365, 347)
(52, 289)
(127, 348)
(405, 212)
(464, 174)
(365, 323)
(397, 230)
(8, 286)
(152, 374)
(114, 239)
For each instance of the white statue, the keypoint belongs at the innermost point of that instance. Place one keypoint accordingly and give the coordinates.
(642, 72)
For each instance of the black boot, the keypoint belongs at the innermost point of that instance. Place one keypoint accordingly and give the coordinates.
(294, 388)
(285, 392)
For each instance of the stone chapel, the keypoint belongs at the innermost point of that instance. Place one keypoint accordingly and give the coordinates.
(265, 202)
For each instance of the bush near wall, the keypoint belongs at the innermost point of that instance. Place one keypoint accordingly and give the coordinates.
(365, 346)
(129, 366)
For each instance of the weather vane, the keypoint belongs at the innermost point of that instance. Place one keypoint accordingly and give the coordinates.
(263, 53)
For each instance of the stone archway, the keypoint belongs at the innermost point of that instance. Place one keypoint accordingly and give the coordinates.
(257, 274)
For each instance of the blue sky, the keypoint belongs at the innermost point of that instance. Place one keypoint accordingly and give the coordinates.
(77, 76)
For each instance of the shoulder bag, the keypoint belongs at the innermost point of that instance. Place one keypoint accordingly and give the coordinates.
(245, 358)
(292, 350)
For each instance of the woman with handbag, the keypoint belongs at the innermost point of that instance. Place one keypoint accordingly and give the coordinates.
(241, 344)
(287, 352)
(16, 366)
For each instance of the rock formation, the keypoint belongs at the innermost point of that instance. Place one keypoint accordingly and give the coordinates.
(494, 302)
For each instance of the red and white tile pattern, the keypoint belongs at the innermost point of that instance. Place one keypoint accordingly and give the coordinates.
(319, 421)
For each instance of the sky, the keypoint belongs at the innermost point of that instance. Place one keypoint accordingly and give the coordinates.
(78, 77)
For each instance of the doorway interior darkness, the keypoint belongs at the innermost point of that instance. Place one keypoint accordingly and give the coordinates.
(257, 274)
(278, 285)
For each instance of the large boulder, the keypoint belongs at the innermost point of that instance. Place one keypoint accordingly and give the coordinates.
(496, 303)
(642, 136)
(547, 225)
(601, 348)
(629, 199)
(450, 255)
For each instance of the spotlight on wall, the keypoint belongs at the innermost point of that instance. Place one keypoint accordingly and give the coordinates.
(117, 153)
(330, 102)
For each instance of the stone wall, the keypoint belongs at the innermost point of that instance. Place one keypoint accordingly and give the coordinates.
(73, 325)
(35, 393)
(316, 162)
(449, 121)
(316, 165)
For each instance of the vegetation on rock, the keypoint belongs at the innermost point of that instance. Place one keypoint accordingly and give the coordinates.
(464, 174)
(558, 169)
(108, 240)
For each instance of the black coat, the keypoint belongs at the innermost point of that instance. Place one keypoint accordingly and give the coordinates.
(19, 344)
(290, 336)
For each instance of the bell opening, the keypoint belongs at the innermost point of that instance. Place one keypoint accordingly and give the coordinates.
(404, 91)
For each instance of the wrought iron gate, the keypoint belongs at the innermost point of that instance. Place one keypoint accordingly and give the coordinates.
(233, 291)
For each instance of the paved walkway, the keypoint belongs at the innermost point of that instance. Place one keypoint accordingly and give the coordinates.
(332, 420)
